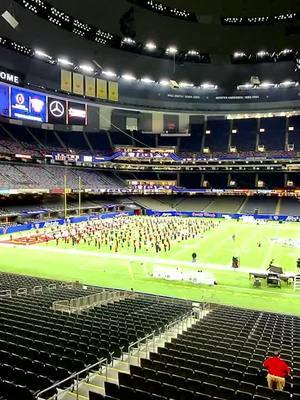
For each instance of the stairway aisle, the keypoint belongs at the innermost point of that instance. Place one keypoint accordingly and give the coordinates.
(98, 381)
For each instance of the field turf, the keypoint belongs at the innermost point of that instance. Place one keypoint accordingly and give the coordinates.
(215, 250)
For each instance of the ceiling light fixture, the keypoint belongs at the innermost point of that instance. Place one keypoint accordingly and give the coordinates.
(147, 80)
(86, 68)
(164, 82)
(64, 61)
(150, 46)
(109, 73)
(128, 77)
(172, 50)
(41, 54)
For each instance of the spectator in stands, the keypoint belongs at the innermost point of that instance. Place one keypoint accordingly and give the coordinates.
(278, 370)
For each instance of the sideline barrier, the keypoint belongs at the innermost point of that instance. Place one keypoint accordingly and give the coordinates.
(56, 222)
(171, 213)
(267, 217)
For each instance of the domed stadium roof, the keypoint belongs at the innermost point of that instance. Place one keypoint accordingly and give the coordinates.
(203, 45)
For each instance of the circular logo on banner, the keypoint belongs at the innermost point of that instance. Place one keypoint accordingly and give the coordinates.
(20, 99)
(57, 109)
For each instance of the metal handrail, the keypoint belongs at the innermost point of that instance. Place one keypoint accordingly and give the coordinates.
(74, 375)
(178, 321)
(137, 343)
(152, 334)
(89, 301)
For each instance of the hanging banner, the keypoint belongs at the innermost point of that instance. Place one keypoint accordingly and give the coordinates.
(66, 80)
(90, 89)
(113, 91)
(102, 89)
(78, 83)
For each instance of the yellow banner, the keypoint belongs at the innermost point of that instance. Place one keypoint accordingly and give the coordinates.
(90, 89)
(113, 91)
(66, 80)
(102, 89)
(78, 83)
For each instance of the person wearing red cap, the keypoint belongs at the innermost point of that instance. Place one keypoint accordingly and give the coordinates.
(278, 370)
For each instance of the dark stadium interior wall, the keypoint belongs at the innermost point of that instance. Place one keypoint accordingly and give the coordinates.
(145, 122)
(138, 175)
(295, 177)
(217, 181)
(194, 142)
(93, 119)
(272, 180)
(218, 139)
(144, 139)
(244, 181)
(118, 131)
(168, 176)
(273, 138)
(118, 120)
(190, 181)
(294, 136)
(245, 137)
(167, 141)
(171, 122)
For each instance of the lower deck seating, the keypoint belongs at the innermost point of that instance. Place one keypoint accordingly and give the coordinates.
(39, 346)
(290, 206)
(219, 358)
(226, 204)
(260, 205)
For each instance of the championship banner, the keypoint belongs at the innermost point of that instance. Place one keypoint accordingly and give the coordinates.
(66, 80)
(113, 91)
(78, 83)
(102, 89)
(90, 89)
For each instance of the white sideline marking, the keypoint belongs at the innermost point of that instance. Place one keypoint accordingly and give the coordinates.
(151, 260)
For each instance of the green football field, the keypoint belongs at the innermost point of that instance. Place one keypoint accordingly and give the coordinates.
(127, 270)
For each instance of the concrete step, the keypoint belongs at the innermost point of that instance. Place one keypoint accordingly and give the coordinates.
(122, 366)
(71, 396)
(98, 380)
(85, 388)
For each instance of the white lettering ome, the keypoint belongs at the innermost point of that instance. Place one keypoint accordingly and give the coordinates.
(6, 76)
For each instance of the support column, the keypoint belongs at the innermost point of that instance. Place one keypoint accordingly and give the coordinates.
(286, 141)
(230, 135)
(228, 180)
(203, 135)
(257, 134)
(201, 180)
